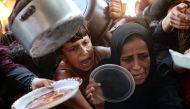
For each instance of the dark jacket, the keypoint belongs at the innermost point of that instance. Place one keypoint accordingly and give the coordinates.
(160, 91)
(13, 71)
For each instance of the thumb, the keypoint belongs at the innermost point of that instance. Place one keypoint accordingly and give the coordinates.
(48, 84)
(181, 6)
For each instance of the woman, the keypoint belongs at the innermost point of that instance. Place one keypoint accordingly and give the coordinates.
(155, 85)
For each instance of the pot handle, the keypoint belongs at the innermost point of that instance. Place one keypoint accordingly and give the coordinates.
(31, 9)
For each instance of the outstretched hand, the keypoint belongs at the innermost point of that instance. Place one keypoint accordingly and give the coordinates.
(37, 83)
(178, 17)
(41, 82)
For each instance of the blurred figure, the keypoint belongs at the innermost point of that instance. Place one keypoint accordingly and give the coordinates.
(173, 32)
(15, 78)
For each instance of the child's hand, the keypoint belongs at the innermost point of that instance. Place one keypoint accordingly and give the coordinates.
(94, 93)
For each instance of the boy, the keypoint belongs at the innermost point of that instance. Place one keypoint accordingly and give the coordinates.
(79, 57)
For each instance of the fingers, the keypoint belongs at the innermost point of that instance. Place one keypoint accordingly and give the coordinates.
(13, 107)
(179, 25)
(187, 51)
(90, 94)
(115, 9)
(40, 82)
(91, 88)
(181, 6)
(179, 21)
(91, 91)
(179, 13)
(93, 84)
(48, 84)
(178, 17)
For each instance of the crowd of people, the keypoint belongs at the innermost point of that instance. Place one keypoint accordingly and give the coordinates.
(139, 44)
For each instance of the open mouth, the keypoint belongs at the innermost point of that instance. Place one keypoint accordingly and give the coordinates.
(86, 63)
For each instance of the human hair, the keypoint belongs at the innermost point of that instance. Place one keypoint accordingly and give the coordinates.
(82, 32)
(126, 33)
(145, 21)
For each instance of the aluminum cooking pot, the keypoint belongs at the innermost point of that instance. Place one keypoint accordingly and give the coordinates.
(42, 26)
(96, 13)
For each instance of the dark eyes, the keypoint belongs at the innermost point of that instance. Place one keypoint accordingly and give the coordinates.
(143, 56)
(140, 57)
(77, 47)
(73, 49)
(85, 42)
(127, 59)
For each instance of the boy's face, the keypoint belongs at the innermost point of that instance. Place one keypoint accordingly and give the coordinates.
(79, 54)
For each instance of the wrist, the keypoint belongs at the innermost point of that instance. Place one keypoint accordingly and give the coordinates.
(166, 25)
(31, 82)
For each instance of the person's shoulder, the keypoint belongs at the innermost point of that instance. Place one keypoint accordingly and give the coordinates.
(64, 66)
(165, 63)
(63, 71)
(165, 70)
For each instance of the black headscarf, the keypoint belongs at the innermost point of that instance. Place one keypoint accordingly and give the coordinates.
(121, 34)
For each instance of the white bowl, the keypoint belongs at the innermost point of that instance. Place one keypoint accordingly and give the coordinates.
(58, 85)
(182, 60)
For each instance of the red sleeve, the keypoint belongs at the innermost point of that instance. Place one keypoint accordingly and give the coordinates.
(6, 63)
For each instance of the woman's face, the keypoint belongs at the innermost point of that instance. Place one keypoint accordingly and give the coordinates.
(135, 58)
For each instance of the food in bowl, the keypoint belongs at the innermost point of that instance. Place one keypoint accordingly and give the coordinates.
(47, 98)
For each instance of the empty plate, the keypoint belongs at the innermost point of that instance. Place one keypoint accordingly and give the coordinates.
(116, 82)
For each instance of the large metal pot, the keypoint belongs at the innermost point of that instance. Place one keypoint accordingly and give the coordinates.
(96, 13)
(44, 25)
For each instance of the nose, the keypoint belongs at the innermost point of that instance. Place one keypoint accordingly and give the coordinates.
(84, 50)
(136, 64)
